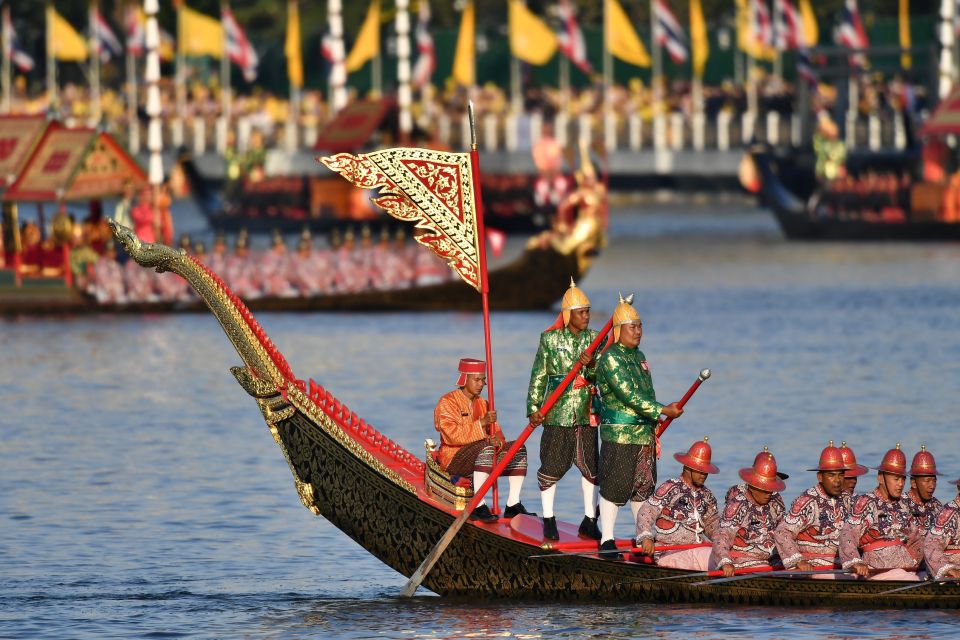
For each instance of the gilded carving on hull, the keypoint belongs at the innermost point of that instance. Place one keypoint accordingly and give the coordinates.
(305, 491)
(253, 383)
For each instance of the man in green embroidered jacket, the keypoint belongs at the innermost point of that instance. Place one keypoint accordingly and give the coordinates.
(628, 420)
(567, 438)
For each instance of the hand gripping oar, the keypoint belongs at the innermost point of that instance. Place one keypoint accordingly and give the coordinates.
(418, 576)
(922, 583)
(704, 374)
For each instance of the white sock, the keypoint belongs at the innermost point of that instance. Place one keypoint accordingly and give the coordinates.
(514, 496)
(608, 519)
(546, 499)
(635, 508)
(479, 477)
(589, 498)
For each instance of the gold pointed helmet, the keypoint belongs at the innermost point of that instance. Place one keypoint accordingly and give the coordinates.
(574, 298)
(623, 314)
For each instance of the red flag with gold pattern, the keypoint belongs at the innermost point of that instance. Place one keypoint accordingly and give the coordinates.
(433, 189)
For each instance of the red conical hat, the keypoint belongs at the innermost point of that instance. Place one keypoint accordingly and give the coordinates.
(850, 460)
(831, 459)
(923, 463)
(698, 457)
(763, 474)
(469, 365)
(894, 462)
(766, 455)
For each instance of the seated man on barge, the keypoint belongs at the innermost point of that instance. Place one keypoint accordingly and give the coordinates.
(941, 547)
(881, 527)
(749, 519)
(681, 511)
(807, 537)
(923, 483)
(853, 471)
(470, 439)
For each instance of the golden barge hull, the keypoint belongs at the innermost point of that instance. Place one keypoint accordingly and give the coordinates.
(373, 490)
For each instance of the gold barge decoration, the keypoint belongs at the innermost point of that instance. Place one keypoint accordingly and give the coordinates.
(374, 491)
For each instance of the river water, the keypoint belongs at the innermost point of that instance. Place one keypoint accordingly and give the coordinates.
(142, 496)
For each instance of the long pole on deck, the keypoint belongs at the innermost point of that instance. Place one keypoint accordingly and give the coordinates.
(51, 60)
(130, 62)
(418, 576)
(7, 53)
(484, 280)
(152, 78)
(94, 53)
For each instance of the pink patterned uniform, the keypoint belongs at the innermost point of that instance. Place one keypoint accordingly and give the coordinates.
(941, 547)
(811, 529)
(676, 514)
(746, 530)
(882, 530)
(925, 513)
(107, 282)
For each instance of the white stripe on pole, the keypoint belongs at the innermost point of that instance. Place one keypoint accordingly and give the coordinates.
(338, 74)
(404, 94)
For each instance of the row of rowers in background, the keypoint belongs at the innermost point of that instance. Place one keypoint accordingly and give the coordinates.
(891, 532)
(346, 266)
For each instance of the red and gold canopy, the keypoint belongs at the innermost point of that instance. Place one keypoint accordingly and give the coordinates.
(18, 136)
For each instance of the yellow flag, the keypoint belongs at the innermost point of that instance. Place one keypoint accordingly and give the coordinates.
(622, 39)
(464, 72)
(291, 47)
(699, 45)
(200, 35)
(367, 45)
(63, 40)
(746, 40)
(811, 32)
(531, 40)
(906, 61)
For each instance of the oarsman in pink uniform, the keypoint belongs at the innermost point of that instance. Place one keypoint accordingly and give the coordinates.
(239, 270)
(682, 511)
(141, 283)
(923, 482)
(749, 519)
(853, 471)
(941, 547)
(881, 526)
(808, 536)
(107, 283)
(740, 490)
(274, 265)
(217, 260)
(351, 277)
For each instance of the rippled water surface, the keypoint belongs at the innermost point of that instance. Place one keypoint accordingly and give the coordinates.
(142, 496)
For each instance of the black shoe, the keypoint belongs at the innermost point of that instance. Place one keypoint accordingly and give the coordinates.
(483, 514)
(589, 528)
(609, 551)
(550, 529)
(515, 510)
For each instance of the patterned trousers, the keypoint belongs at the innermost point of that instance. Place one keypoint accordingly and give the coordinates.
(479, 457)
(627, 472)
(563, 447)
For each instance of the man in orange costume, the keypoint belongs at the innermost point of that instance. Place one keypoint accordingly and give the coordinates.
(471, 440)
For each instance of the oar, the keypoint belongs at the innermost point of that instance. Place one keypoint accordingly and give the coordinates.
(919, 584)
(698, 574)
(624, 549)
(776, 573)
(418, 576)
(704, 374)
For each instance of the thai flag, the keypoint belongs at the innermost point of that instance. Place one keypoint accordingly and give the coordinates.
(668, 33)
(326, 46)
(570, 37)
(136, 36)
(426, 54)
(104, 42)
(239, 49)
(805, 66)
(851, 33)
(760, 23)
(18, 56)
(786, 26)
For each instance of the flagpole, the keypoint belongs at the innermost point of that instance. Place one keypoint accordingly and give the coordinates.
(484, 280)
(151, 77)
(51, 61)
(133, 126)
(404, 92)
(7, 54)
(225, 88)
(607, 72)
(94, 54)
(338, 73)
(659, 134)
(180, 80)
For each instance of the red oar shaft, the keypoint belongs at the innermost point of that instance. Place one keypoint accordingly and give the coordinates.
(704, 374)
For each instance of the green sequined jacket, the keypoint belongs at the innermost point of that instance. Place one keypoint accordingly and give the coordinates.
(630, 408)
(559, 350)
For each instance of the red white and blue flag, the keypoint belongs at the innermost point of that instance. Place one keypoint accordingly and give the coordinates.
(786, 26)
(851, 33)
(105, 43)
(239, 49)
(760, 24)
(570, 37)
(426, 54)
(136, 36)
(20, 58)
(668, 33)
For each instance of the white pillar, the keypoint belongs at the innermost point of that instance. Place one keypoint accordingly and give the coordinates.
(723, 130)
(899, 132)
(748, 122)
(199, 136)
(699, 130)
(676, 131)
(635, 124)
(773, 128)
(490, 132)
(874, 125)
(536, 127)
(222, 129)
(443, 128)
(338, 71)
(585, 130)
(465, 131)
(560, 126)
(511, 123)
(243, 134)
(948, 63)
(796, 129)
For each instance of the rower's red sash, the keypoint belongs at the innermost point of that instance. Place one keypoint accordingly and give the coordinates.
(880, 544)
(953, 550)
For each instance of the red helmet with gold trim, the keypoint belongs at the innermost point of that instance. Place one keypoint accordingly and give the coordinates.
(766, 455)
(697, 457)
(831, 459)
(850, 460)
(763, 474)
(894, 462)
(923, 463)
